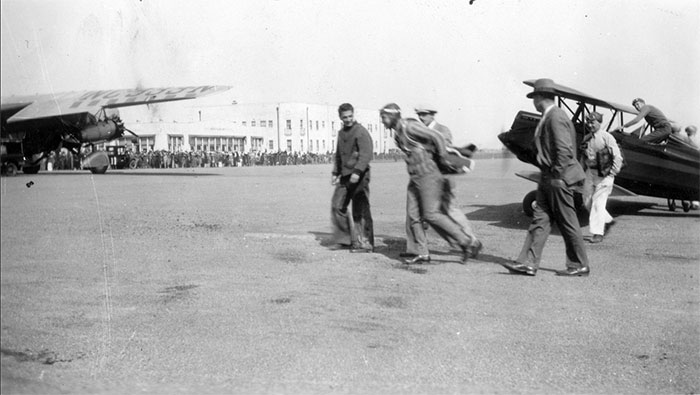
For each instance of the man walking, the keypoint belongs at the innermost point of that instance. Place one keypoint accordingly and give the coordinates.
(555, 140)
(603, 162)
(426, 114)
(351, 179)
(425, 154)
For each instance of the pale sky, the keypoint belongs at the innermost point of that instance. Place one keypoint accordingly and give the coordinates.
(468, 61)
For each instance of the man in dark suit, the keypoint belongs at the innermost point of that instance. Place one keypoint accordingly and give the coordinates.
(561, 175)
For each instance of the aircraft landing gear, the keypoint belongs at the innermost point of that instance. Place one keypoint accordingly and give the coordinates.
(529, 203)
(671, 204)
(9, 169)
(99, 170)
(687, 205)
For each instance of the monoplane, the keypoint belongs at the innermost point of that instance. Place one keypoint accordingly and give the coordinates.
(47, 123)
(670, 170)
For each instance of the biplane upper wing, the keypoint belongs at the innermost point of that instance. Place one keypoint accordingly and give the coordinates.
(56, 105)
(573, 94)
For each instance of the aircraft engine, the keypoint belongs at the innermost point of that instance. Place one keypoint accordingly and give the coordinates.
(101, 131)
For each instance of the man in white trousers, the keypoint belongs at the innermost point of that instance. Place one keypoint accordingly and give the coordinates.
(603, 162)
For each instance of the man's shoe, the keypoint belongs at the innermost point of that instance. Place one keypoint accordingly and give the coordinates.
(407, 255)
(418, 259)
(520, 268)
(595, 239)
(575, 272)
(475, 249)
(360, 250)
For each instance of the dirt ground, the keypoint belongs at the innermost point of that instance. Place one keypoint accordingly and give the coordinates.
(222, 281)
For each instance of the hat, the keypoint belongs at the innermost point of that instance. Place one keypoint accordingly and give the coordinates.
(391, 108)
(595, 115)
(691, 130)
(542, 86)
(425, 108)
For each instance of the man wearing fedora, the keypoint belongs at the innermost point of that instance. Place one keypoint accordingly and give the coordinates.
(561, 175)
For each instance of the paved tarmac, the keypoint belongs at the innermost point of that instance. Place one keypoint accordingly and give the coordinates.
(222, 281)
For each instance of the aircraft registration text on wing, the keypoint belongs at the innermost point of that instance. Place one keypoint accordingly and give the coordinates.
(670, 170)
(45, 123)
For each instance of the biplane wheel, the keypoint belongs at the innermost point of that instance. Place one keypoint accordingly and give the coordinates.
(529, 203)
(30, 169)
(98, 170)
(10, 169)
(133, 164)
(686, 205)
(671, 204)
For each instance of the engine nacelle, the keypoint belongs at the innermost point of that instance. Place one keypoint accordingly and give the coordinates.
(101, 131)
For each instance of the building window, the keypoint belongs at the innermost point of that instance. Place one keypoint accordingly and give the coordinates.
(289, 124)
(256, 144)
(271, 144)
(311, 125)
(146, 143)
(289, 146)
(252, 123)
(263, 124)
(243, 123)
(301, 145)
(317, 147)
(316, 125)
(301, 124)
(324, 144)
(175, 143)
(323, 124)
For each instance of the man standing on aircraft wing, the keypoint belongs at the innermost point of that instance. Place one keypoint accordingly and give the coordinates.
(425, 151)
(561, 173)
(661, 127)
(603, 161)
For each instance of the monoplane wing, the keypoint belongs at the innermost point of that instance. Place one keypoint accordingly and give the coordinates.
(573, 94)
(58, 105)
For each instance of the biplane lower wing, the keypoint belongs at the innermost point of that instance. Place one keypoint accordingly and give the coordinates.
(534, 176)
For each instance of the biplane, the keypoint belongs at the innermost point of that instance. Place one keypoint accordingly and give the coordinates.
(46, 123)
(670, 170)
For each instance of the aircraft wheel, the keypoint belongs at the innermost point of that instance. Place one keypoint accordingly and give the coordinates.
(133, 164)
(529, 203)
(10, 169)
(671, 204)
(686, 205)
(98, 170)
(30, 169)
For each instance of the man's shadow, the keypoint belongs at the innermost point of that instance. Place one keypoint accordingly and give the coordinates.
(392, 247)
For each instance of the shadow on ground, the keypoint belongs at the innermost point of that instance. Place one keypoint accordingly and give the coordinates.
(391, 247)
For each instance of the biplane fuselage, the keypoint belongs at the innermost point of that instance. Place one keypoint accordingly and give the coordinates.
(670, 170)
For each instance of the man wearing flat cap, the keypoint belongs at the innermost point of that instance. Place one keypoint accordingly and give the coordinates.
(603, 161)
(561, 175)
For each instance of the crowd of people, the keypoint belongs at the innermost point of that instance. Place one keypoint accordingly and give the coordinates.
(162, 159)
